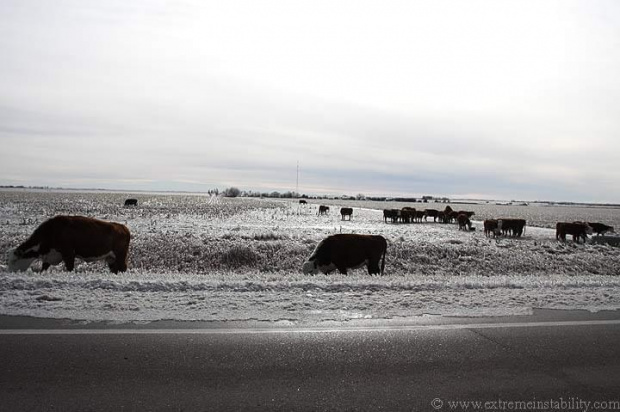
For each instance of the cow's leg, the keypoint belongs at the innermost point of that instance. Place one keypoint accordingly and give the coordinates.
(69, 258)
(373, 268)
(45, 266)
(119, 264)
(69, 262)
(342, 269)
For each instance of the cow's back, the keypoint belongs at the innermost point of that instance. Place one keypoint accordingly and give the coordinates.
(352, 250)
(86, 236)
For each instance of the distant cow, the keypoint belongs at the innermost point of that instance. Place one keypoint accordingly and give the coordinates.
(391, 214)
(463, 221)
(451, 216)
(323, 210)
(407, 214)
(348, 251)
(432, 213)
(131, 202)
(600, 228)
(302, 202)
(346, 211)
(419, 215)
(579, 230)
(63, 238)
(514, 227)
(441, 216)
(490, 226)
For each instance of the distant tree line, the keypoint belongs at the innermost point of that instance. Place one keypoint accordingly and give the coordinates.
(236, 192)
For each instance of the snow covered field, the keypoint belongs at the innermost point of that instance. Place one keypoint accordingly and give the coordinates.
(195, 257)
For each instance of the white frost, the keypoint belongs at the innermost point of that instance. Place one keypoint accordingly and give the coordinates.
(193, 258)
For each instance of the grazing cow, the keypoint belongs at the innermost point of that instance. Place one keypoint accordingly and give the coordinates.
(323, 210)
(490, 226)
(346, 211)
(464, 222)
(431, 212)
(347, 251)
(600, 228)
(514, 227)
(579, 230)
(391, 214)
(63, 238)
(131, 202)
(302, 202)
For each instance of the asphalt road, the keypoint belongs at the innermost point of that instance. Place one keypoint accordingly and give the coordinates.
(561, 363)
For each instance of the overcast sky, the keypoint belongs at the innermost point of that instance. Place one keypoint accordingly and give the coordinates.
(487, 99)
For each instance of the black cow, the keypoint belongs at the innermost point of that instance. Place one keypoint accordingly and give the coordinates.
(131, 202)
(579, 230)
(600, 228)
(432, 213)
(407, 214)
(323, 210)
(391, 214)
(346, 211)
(514, 227)
(491, 226)
(463, 221)
(348, 251)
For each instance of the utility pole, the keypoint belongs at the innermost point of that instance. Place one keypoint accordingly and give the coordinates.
(297, 181)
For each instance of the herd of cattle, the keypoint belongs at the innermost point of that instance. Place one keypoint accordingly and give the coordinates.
(63, 238)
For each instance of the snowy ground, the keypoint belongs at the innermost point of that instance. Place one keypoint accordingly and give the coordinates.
(200, 258)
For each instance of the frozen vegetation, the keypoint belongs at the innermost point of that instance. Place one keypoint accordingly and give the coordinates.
(197, 257)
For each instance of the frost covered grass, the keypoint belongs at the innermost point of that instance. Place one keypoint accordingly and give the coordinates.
(204, 258)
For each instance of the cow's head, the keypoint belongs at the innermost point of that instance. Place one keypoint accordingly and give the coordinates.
(310, 267)
(313, 267)
(19, 261)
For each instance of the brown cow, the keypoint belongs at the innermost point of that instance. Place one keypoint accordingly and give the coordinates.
(579, 230)
(63, 238)
(347, 251)
(490, 226)
(346, 211)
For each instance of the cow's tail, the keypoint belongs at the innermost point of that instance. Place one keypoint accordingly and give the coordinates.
(383, 260)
